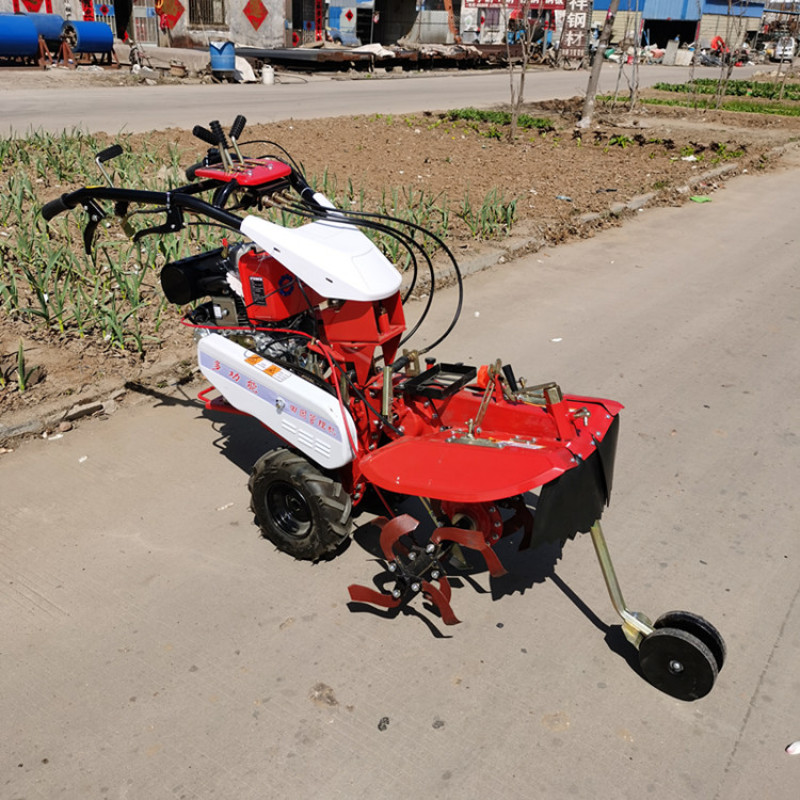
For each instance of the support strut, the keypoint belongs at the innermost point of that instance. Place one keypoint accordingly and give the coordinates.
(635, 625)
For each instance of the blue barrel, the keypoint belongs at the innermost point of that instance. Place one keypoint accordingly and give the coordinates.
(223, 56)
(88, 37)
(48, 26)
(18, 36)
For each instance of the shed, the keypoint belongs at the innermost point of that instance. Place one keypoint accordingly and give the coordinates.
(734, 25)
(687, 20)
(658, 21)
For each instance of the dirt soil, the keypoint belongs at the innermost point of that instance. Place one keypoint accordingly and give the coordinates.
(555, 178)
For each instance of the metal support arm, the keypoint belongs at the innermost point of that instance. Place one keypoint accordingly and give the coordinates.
(635, 625)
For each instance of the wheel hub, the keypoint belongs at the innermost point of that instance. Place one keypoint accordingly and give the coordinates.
(288, 509)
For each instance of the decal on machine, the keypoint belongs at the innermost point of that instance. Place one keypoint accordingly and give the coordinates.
(285, 405)
(273, 370)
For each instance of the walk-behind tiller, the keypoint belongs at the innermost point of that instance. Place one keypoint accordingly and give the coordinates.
(304, 330)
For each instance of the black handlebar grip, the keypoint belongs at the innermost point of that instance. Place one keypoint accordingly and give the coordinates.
(55, 207)
(238, 126)
(191, 172)
(219, 134)
(203, 133)
(109, 153)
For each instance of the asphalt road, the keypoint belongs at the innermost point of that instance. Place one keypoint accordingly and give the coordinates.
(153, 646)
(140, 108)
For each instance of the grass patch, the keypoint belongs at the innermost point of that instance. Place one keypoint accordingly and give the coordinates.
(741, 106)
(744, 106)
(499, 118)
(736, 88)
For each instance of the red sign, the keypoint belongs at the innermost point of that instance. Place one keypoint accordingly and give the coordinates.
(348, 15)
(256, 12)
(169, 12)
(34, 6)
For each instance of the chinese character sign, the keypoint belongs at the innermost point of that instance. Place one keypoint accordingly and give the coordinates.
(577, 18)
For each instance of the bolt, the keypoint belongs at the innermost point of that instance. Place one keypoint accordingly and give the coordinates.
(415, 587)
(492, 509)
(497, 524)
(430, 548)
(371, 447)
(435, 574)
(392, 567)
(396, 593)
(412, 556)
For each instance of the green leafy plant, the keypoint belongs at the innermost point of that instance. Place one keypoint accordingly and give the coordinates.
(23, 374)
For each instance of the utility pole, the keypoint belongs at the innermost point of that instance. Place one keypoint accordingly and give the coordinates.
(594, 77)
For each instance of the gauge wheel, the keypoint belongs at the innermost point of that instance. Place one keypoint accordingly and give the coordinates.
(699, 627)
(677, 663)
(302, 510)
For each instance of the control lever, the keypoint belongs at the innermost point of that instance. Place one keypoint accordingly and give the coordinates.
(222, 143)
(106, 155)
(236, 132)
(120, 208)
(205, 135)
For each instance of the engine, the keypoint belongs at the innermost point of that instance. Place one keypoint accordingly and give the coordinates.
(248, 293)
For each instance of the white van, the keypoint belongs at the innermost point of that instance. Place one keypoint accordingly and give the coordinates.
(784, 49)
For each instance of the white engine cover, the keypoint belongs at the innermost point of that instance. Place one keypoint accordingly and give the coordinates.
(306, 416)
(334, 258)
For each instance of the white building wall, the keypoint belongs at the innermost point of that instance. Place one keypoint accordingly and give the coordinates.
(238, 28)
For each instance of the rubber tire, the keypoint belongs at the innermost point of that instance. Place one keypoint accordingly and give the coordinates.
(302, 510)
(697, 668)
(698, 626)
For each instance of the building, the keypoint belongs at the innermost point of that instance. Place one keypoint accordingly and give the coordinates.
(659, 21)
(258, 23)
(287, 23)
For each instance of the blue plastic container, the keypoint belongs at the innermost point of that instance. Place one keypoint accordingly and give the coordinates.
(18, 36)
(89, 37)
(223, 56)
(48, 26)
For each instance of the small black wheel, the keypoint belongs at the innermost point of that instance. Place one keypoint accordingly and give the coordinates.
(302, 510)
(677, 663)
(699, 627)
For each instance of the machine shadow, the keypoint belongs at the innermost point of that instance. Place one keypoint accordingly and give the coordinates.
(526, 568)
(243, 440)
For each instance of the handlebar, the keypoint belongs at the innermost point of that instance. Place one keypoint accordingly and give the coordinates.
(56, 207)
(172, 203)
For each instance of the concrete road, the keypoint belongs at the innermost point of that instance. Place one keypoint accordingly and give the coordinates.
(153, 646)
(142, 108)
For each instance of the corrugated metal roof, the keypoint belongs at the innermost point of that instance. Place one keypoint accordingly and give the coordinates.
(672, 9)
(740, 9)
(684, 9)
(624, 5)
